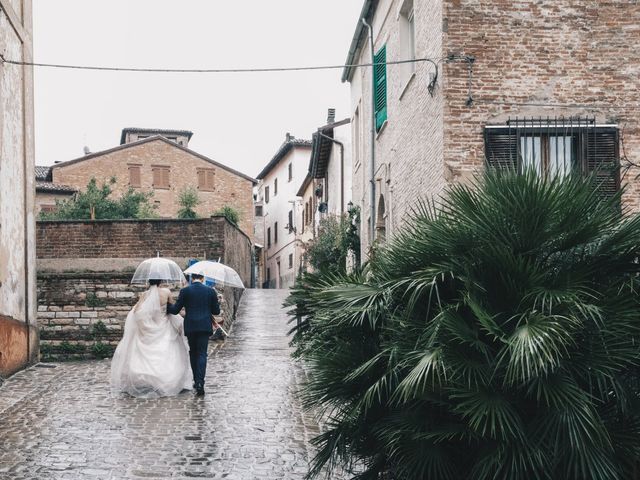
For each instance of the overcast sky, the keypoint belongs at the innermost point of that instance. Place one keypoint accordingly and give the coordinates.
(237, 119)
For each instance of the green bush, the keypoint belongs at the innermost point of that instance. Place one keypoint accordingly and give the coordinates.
(230, 213)
(93, 301)
(101, 350)
(188, 200)
(99, 329)
(96, 203)
(496, 337)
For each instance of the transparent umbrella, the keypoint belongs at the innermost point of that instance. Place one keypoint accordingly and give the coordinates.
(222, 274)
(158, 268)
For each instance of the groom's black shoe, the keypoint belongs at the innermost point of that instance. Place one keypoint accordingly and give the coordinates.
(200, 392)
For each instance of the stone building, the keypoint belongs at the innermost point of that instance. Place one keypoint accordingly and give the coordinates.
(18, 329)
(160, 161)
(49, 193)
(550, 85)
(278, 185)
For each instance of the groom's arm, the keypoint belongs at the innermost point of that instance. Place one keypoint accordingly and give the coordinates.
(174, 308)
(215, 305)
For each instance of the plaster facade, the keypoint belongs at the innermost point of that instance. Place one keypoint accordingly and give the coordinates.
(282, 179)
(18, 329)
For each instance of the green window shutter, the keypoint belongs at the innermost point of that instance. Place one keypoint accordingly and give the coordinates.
(380, 85)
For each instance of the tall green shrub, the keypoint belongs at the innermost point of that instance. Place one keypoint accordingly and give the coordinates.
(230, 213)
(497, 337)
(188, 200)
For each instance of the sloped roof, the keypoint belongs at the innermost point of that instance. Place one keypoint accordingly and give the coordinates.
(305, 184)
(282, 151)
(153, 139)
(54, 187)
(154, 131)
(43, 173)
(322, 147)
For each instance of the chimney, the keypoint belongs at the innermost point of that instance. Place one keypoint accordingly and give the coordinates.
(289, 137)
(87, 150)
(331, 116)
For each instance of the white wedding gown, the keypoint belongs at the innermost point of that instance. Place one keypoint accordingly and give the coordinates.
(152, 359)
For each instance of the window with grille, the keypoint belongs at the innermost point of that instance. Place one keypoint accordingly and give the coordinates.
(206, 179)
(557, 147)
(135, 179)
(161, 177)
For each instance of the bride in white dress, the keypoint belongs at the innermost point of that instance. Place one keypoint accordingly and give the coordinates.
(152, 359)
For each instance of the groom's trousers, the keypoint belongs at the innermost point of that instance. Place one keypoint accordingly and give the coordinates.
(198, 344)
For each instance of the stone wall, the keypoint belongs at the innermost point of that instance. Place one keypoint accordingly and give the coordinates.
(84, 269)
(18, 332)
(82, 314)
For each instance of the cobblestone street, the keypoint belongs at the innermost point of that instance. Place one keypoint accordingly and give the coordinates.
(59, 421)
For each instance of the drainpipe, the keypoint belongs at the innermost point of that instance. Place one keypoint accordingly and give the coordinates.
(372, 169)
(341, 145)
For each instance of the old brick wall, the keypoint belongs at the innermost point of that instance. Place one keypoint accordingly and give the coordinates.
(84, 269)
(570, 52)
(230, 189)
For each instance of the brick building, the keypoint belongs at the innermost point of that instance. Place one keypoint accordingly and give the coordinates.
(160, 161)
(549, 84)
(18, 329)
(277, 191)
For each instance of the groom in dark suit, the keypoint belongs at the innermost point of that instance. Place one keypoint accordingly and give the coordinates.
(199, 302)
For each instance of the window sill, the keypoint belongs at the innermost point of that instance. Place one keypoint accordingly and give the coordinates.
(161, 188)
(407, 85)
(383, 127)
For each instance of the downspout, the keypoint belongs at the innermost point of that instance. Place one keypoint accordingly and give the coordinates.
(341, 145)
(372, 169)
(26, 149)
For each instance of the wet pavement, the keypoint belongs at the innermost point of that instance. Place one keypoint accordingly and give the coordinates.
(59, 421)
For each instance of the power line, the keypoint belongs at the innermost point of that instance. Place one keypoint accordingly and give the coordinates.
(214, 70)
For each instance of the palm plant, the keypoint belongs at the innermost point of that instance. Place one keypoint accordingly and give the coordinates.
(497, 337)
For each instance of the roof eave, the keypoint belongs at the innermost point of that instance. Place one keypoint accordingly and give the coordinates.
(347, 73)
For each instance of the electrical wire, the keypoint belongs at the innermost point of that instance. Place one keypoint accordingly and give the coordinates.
(214, 70)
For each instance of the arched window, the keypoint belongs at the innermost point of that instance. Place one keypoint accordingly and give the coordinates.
(381, 229)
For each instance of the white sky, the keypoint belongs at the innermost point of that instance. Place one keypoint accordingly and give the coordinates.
(237, 119)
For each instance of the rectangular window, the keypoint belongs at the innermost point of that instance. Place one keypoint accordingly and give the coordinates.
(275, 232)
(48, 208)
(557, 147)
(291, 260)
(356, 136)
(302, 223)
(269, 237)
(206, 179)
(134, 176)
(380, 85)
(266, 194)
(258, 212)
(268, 274)
(407, 40)
(290, 225)
(275, 187)
(161, 177)
(290, 171)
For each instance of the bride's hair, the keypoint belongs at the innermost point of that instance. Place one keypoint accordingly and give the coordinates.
(153, 281)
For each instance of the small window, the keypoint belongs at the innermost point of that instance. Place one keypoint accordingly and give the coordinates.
(206, 179)
(258, 212)
(290, 171)
(268, 274)
(290, 221)
(134, 176)
(48, 208)
(380, 85)
(291, 260)
(275, 232)
(161, 177)
(275, 187)
(407, 40)
(266, 194)
(302, 223)
(269, 237)
(356, 136)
